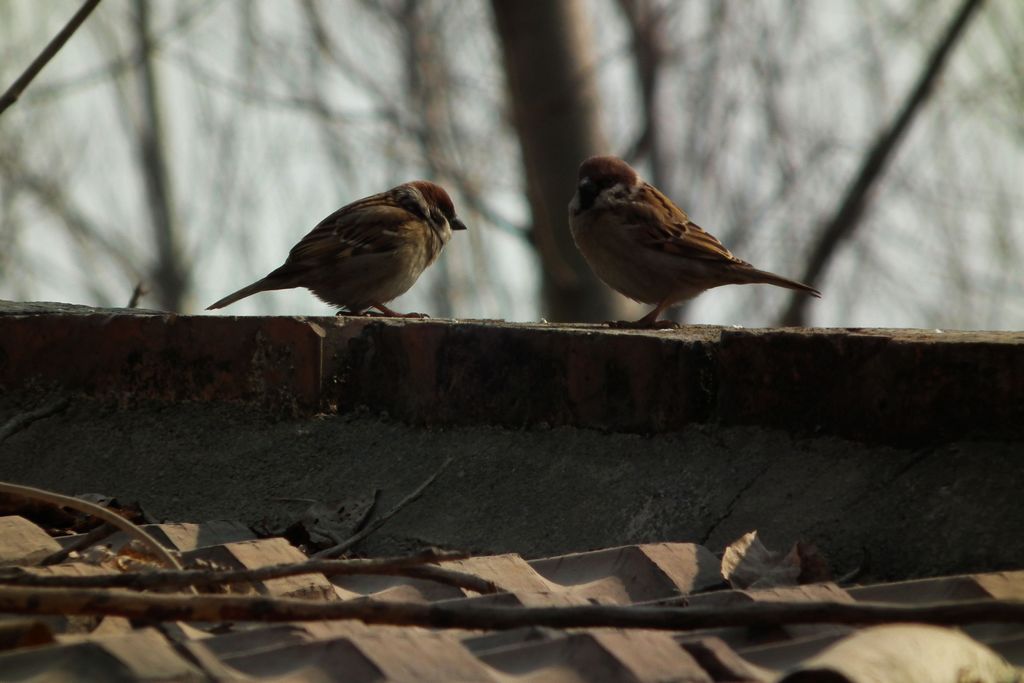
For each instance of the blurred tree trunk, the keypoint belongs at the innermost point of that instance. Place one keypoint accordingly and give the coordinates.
(171, 275)
(552, 86)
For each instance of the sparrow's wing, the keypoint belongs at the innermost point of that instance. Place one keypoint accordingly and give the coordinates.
(657, 223)
(373, 225)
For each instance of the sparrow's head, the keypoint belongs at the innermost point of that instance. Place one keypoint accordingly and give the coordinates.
(598, 174)
(437, 205)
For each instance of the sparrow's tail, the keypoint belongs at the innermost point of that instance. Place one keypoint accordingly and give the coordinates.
(264, 285)
(755, 276)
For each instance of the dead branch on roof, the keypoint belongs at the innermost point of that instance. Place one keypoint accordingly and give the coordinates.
(103, 513)
(336, 550)
(452, 577)
(413, 566)
(22, 420)
(52, 48)
(217, 608)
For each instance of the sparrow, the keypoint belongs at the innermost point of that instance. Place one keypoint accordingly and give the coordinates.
(369, 252)
(643, 246)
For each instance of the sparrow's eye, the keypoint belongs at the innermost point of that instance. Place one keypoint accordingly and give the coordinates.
(588, 193)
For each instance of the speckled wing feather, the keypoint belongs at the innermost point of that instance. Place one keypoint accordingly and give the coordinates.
(661, 225)
(369, 226)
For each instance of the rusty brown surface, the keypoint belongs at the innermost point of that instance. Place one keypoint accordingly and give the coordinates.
(272, 362)
(517, 376)
(894, 386)
(904, 387)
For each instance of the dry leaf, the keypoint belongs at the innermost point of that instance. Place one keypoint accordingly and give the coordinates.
(99, 555)
(747, 563)
(135, 555)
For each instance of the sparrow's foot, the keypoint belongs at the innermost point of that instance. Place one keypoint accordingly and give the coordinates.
(643, 324)
(649, 321)
(388, 313)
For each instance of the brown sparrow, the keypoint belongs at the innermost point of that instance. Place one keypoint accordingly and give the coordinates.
(645, 247)
(367, 253)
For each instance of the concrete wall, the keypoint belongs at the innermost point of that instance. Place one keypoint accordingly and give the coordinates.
(898, 449)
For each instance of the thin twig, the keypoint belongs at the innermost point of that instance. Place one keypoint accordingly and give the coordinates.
(14, 92)
(19, 422)
(103, 513)
(137, 294)
(365, 519)
(452, 577)
(849, 577)
(79, 544)
(412, 566)
(217, 608)
(336, 550)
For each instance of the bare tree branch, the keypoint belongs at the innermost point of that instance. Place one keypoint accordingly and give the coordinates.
(12, 94)
(217, 608)
(55, 198)
(412, 566)
(138, 292)
(848, 217)
(121, 63)
(97, 246)
(19, 422)
(336, 550)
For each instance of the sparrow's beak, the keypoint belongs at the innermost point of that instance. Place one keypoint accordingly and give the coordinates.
(456, 224)
(586, 193)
